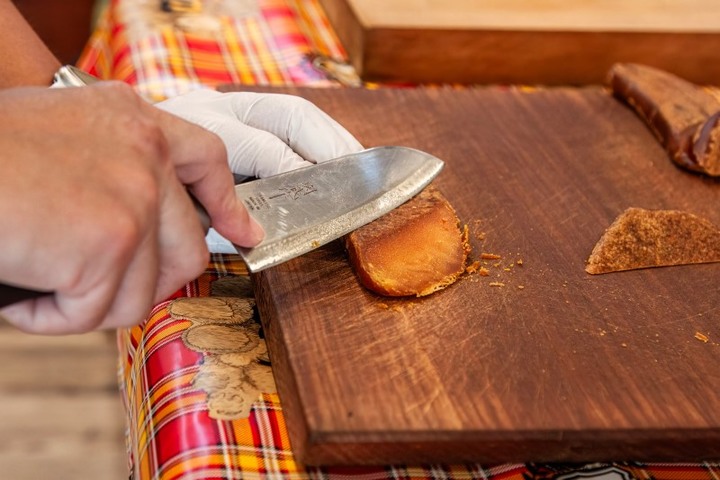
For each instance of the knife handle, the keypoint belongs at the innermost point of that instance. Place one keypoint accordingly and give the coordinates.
(10, 294)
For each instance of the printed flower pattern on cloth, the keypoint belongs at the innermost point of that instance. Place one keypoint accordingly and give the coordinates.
(235, 370)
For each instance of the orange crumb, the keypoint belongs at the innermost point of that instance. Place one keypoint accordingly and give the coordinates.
(473, 267)
(489, 256)
(496, 284)
(477, 233)
(484, 272)
(702, 337)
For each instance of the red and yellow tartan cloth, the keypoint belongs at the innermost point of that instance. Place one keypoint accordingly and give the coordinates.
(253, 42)
(174, 431)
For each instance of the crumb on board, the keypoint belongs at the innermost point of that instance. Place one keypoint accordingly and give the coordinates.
(476, 267)
(702, 337)
(473, 267)
(395, 307)
(476, 228)
(488, 260)
(315, 244)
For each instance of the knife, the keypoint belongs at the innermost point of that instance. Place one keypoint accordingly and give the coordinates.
(306, 208)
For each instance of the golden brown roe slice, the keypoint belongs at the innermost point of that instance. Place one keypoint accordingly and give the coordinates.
(416, 249)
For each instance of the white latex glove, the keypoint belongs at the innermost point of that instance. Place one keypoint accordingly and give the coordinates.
(264, 134)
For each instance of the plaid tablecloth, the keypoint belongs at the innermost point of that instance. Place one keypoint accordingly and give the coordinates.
(195, 377)
(255, 42)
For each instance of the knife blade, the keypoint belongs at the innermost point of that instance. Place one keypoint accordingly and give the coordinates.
(309, 207)
(306, 208)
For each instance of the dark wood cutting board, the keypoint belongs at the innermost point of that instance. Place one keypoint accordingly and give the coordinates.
(536, 362)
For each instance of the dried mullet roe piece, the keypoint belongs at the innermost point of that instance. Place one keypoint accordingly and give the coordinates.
(416, 249)
(684, 117)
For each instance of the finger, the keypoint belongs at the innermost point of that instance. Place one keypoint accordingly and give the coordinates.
(136, 292)
(62, 314)
(115, 289)
(309, 131)
(200, 159)
(182, 252)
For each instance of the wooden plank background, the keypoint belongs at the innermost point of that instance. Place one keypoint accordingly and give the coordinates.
(549, 364)
(61, 415)
(550, 42)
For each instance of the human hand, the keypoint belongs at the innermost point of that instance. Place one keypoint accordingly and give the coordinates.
(94, 205)
(265, 134)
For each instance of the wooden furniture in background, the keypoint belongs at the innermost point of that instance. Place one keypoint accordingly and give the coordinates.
(537, 361)
(64, 26)
(526, 41)
(61, 413)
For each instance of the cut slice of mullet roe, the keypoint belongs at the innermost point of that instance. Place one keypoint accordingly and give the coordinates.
(415, 250)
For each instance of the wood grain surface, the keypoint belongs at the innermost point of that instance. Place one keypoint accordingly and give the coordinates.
(538, 361)
(549, 42)
(61, 414)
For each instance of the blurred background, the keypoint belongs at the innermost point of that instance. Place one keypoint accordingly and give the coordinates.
(61, 413)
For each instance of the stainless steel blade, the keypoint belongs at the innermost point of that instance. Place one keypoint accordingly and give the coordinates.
(306, 208)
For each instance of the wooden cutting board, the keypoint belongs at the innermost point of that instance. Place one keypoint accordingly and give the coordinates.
(539, 361)
(551, 42)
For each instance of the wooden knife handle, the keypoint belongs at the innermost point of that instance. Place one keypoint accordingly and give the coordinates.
(10, 294)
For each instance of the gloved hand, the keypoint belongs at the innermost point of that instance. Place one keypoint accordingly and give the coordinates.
(264, 134)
